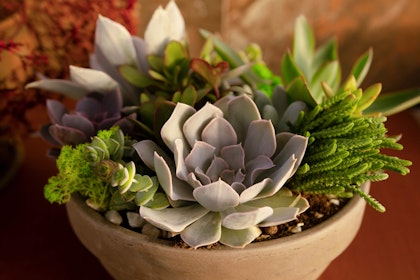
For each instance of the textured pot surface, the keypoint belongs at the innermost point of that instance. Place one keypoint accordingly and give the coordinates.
(130, 255)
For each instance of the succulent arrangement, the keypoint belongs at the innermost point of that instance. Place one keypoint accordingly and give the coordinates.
(215, 147)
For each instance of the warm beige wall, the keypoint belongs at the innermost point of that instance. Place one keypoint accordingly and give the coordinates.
(391, 27)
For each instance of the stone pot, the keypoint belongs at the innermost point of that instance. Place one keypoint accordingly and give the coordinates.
(126, 254)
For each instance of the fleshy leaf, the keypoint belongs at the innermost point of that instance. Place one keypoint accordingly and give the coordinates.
(246, 217)
(260, 140)
(204, 231)
(219, 133)
(67, 88)
(239, 238)
(115, 41)
(216, 196)
(173, 219)
(92, 80)
(393, 103)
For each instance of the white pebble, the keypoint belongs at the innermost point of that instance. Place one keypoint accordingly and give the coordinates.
(134, 220)
(150, 230)
(335, 201)
(114, 217)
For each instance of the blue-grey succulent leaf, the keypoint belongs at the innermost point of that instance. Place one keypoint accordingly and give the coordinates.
(239, 238)
(56, 111)
(201, 156)
(280, 215)
(173, 219)
(260, 140)
(65, 87)
(173, 128)
(80, 123)
(89, 107)
(45, 134)
(296, 146)
(234, 155)
(67, 135)
(146, 150)
(217, 166)
(246, 216)
(251, 192)
(204, 231)
(241, 112)
(217, 196)
(141, 54)
(176, 189)
(256, 167)
(112, 102)
(291, 115)
(194, 125)
(219, 133)
(279, 174)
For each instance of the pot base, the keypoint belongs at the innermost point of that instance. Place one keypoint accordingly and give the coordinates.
(126, 254)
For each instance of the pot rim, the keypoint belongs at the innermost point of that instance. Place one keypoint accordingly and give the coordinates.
(316, 231)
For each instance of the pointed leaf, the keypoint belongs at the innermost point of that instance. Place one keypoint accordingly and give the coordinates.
(303, 45)
(217, 196)
(205, 231)
(239, 238)
(133, 76)
(361, 67)
(66, 88)
(392, 103)
(173, 219)
(299, 90)
(330, 74)
(246, 217)
(290, 71)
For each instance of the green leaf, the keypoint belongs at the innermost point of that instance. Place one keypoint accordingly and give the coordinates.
(369, 96)
(395, 102)
(361, 67)
(189, 96)
(289, 69)
(303, 45)
(326, 53)
(174, 53)
(155, 62)
(134, 77)
(330, 74)
(159, 201)
(144, 197)
(298, 90)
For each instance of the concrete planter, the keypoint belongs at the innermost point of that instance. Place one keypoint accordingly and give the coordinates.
(126, 254)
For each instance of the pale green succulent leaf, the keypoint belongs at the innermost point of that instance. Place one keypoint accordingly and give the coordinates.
(204, 231)
(298, 89)
(326, 53)
(173, 219)
(303, 46)
(361, 67)
(369, 96)
(280, 215)
(144, 197)
(330, 74)
(290, 71)
(239, 238)
(245, 216)
(141, 183)
(392, 103)
(159, 201)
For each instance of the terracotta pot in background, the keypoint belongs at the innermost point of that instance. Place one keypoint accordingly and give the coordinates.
(126, 254)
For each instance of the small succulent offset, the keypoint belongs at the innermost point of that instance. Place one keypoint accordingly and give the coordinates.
(226, 174)
(212, 148)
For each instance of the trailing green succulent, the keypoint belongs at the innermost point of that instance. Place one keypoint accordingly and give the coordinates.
(97, 171)
(344, 151)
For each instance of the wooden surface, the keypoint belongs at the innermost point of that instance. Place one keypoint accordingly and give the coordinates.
(36, 241)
